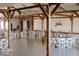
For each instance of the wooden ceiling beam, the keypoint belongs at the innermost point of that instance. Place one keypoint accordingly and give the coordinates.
(62, 14)
(29, 7)
(34, 15)
(55, 9)
(50, 4)
(2, 10)
(12, 13)
(4, 13)
(57, 5)
(19, 12)
(61, 17)
(43, 9)
(76, 13)
(67, 11)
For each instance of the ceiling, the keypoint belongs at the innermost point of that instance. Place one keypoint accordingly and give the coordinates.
(63, 7)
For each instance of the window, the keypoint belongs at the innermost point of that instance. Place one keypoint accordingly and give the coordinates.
(30, 24)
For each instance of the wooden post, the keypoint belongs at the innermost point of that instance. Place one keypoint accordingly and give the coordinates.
(9, 34)
(42, 26)
(71, 18)
(32, 23)
(20, 28)
(48, 28)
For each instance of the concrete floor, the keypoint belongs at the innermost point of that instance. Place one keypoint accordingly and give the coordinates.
(65, 52)
(31, 47)
(27, 47)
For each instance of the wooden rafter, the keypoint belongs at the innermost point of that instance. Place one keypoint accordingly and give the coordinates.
(48, 30)
(1, 10)
(67, 11)
(4, 13)
(59, 14)
(71, 18)
(43, 9)
(50, 4)
(76, 13)
(46, 11)
(55, 9)
(19, 12)
(12, 13)
(60, 17)
(29, 7)
(30, 15)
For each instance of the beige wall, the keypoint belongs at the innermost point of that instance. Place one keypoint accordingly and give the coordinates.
(65, 24)
(37, 24)
(44, 24)
(15, 22)
(65, 27)
(76, 25)
(24, 24)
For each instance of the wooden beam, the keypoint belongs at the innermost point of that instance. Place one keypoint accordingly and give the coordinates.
(1, 10)
(29, 7)
(48, 31)
(8, 18)
(4, 13)
(9, 41)
(32, 23)
(60, 17)
(12, 14)
(31, 15)
(43, 9)
(62, 14)
(76, 13)
(52, 11)
(71, 18)
(19, 12)
(50, 4)
(55, 9)
(67, 11)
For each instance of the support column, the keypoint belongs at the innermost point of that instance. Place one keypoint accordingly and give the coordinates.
(48, 28)
(9, 35)
(19, 25)
(42, 28)
(20, 29)
(71, 18)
